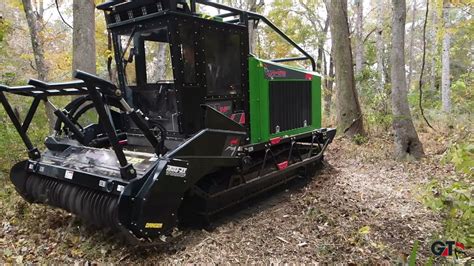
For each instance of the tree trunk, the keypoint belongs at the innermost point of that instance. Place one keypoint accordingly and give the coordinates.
(110, 71)
(410, 48)
(406, 138)
(253, 6)
(433, 42)
(359, 49)
(83, 39)
(380, 47)
(349, 115)
(329, 87)
(32, 17)
(34, 20)
(322, 41)
(445, 73)
(159, 62)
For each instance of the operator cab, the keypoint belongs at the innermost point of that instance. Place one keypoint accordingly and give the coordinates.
(171, 62)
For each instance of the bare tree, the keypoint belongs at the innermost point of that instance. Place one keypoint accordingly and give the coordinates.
(380, 46)
(83, 55)
(34, 25)
(329, 86)
(35, 22)
(406, 137)
(445, 61)
(432, 40)
(349, 114)
(158, 67)
(318, 27)
(411, 60)
(359, 45)
(254, 6)
(322, 41)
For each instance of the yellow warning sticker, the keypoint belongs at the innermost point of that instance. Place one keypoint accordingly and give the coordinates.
(154, 225)
(134, 160)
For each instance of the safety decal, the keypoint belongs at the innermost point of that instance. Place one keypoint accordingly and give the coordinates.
(153, 225)
(177, 171)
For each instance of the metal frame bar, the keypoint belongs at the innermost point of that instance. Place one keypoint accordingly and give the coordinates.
(245, 16)
(94, 84)
(39, 90)
(33, 152)
(30, 114)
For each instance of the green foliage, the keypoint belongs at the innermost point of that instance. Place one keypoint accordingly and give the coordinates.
(382, 121)
(454, 202)
(462, 93)
(461, 50)
(414, 251)
(375, 103)
(4, 28)
(462, 156)
(359, 139)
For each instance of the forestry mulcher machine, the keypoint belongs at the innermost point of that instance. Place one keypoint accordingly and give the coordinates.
(195, 124)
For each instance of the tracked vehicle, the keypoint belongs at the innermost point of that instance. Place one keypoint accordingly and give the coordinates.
(182, 135)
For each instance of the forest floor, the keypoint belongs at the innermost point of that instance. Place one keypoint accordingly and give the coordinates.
(363, 206)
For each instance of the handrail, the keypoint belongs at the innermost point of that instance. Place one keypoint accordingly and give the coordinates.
(289, 59)
(284, 36)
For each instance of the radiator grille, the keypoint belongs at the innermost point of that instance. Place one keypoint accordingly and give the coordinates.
(290, 105)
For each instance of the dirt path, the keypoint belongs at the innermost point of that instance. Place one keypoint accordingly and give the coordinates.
(362, 207)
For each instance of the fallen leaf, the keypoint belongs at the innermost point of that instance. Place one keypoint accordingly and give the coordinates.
(7, 252)
(364, 230)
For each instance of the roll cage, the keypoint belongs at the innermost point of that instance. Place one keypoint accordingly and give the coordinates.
(208, 56)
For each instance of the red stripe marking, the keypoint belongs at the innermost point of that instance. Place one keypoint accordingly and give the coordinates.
(234, 141)
(282, 165)
(242, 119)
(275, 141)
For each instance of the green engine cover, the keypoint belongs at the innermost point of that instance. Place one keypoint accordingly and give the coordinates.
(281, 92)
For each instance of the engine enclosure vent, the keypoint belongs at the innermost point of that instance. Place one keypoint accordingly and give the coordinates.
(290, 105)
